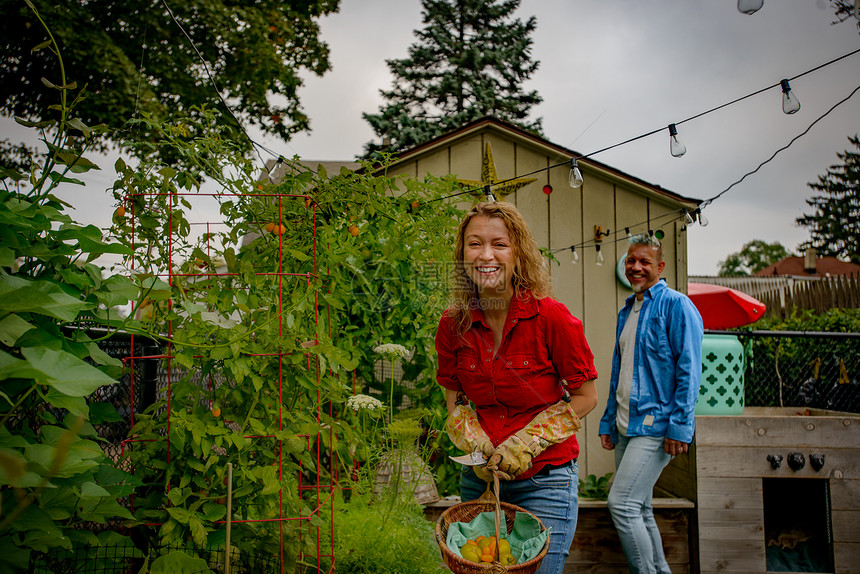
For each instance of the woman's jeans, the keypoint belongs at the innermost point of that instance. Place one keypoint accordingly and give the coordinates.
(639, 461)
(552, 497)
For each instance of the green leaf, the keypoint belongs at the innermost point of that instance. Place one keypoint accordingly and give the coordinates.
(181, 515)
(76, 162)
(154, 288)
(35, 296)
(11, 328)
(213, 512)
(100, 357)
(7, 257)
(34, 518)
(91, 489)
(167, 172)
(57, 177)
(77, 124)
(13, 174)
(13, 467)
(12, 556)
(40, 46)
(65, 372)
(178, 562)
(118, 482)
(101, 412)
(75, 405)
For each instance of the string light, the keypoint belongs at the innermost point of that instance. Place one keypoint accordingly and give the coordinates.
(688, 219)
(599, 259)
(676, 146)
(575, 176)
(488, 192)
(790, 103)
(703, 221)
(752, 5)
(574, 255)
(749, 6)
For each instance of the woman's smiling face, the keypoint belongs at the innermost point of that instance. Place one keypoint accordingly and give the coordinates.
(488, 255)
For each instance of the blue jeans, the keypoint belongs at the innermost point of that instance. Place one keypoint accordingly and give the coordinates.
(639, 461)
(552, 497)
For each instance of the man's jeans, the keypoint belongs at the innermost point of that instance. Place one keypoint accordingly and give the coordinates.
(551, 497)
(639, 461)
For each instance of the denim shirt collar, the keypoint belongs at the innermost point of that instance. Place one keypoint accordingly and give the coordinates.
(650, 293)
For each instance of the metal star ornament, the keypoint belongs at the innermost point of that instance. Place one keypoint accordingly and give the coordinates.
(499, 187)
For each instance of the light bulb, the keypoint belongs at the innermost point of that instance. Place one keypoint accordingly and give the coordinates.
(749, 6)
(629, 235)
(790, 104)
(703, 221)
(599, 260)
(574, 255)
(688, 218)
(676, 146)
(489, 194)
(575, 176)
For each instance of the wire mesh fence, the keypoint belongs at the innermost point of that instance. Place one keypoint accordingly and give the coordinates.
(128, 559)
(814, 370)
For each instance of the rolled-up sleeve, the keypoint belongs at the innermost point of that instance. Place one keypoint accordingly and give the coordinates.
(446, 374)
(571, 355)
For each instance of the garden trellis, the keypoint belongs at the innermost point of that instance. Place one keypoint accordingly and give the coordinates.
(201, 415)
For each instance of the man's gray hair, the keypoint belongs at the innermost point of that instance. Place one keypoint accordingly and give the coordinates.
(647, 240)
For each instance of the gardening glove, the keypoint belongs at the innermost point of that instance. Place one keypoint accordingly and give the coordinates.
(487, 475)
(465, 431)
(551, 426)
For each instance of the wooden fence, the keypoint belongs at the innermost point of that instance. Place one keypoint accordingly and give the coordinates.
(842, 291)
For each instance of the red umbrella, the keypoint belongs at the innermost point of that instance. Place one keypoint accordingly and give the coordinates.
(723, 307)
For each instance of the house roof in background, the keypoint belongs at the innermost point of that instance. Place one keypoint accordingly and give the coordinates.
(824, 267)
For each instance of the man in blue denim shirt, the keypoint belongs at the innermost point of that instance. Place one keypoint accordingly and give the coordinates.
(656, 369)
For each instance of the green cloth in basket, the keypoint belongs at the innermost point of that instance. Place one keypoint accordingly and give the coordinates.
(525, 538)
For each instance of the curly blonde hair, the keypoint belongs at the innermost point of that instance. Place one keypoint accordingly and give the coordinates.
(530, 272)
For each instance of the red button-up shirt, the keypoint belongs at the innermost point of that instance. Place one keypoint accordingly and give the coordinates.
(543, 346)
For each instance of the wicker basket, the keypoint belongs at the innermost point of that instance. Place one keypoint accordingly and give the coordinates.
(465, 512)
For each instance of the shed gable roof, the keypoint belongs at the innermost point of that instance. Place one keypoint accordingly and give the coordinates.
(490, 123)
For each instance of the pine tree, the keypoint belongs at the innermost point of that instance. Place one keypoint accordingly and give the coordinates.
(835, 225)
(470, 61)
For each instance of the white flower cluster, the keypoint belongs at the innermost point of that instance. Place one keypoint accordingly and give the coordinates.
(392, 349)
(359, 402)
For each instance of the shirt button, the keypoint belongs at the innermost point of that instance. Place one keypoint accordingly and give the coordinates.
(509, 363)
(501, 416)
(472, 367)
(525, 362)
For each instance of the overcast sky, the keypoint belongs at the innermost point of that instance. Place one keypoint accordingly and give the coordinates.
(611, 70)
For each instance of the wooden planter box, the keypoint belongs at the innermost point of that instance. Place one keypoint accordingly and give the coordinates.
(596, 548)
(728, 475)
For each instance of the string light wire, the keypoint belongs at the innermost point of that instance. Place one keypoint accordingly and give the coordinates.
(674, 213)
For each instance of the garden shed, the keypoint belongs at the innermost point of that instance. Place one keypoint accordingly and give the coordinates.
(533, 174)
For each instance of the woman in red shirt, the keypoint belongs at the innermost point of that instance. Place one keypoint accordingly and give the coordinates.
(522, 359)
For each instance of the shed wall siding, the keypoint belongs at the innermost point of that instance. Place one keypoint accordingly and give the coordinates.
(563, 218)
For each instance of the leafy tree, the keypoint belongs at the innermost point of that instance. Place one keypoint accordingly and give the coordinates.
(844, 10)
(753, 256)
(134, 57)
(470, 61)
(835, 223)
